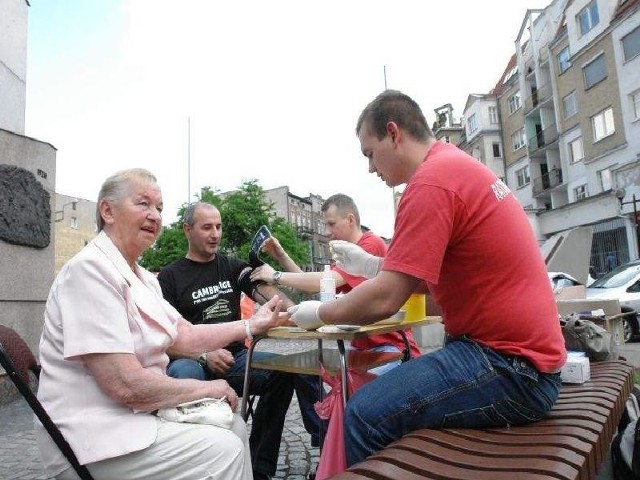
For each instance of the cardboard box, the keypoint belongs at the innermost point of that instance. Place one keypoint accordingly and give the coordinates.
(570, 293)
(576, 370)
(596, 307)
(610, 306)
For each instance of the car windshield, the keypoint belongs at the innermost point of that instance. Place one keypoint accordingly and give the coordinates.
(618, 277)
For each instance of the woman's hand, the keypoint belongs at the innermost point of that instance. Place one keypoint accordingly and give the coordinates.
(220, 388)
(263, 273)
(268, 315)
(273, 248)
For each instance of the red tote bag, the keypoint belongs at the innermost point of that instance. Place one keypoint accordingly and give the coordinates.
(333, 458)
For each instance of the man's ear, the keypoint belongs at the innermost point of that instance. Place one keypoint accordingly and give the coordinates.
(394, 132)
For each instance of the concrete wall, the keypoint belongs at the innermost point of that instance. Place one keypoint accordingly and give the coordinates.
(13, 64)
(27, 272)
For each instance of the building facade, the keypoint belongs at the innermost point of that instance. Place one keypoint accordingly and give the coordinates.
(568, 104)
(75, 226)
(305, 215)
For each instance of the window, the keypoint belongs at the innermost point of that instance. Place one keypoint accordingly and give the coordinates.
(472, 124)
(564, 60)
(73, 223)
(518, 139)
(631, 44)
(493, 115)
(605, 179)
(514, 102)
(570, 105)
(603, 125)
(575, 150)
(580, 192)
(635, 104)
(522, 176)
(588, 17)
(496, 150)
(594, 72)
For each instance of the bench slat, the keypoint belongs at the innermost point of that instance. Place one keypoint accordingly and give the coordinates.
(570, 443)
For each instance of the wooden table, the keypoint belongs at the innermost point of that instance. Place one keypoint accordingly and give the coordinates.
(312, 361)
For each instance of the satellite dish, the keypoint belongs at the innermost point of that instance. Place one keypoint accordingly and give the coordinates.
(619, 193)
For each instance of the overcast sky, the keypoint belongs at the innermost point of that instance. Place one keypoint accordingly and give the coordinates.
(272, 89)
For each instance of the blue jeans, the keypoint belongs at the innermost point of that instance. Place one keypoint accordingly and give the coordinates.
(463, 385)
(275, 390)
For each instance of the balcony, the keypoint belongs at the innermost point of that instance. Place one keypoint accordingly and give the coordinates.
(541, 140)
(304, 230)
(547, 181)
(537, 97)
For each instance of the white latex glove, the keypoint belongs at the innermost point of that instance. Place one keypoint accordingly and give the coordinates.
(305, 314)
(353, 259)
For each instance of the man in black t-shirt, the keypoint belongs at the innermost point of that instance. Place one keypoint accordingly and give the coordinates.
(205, 287)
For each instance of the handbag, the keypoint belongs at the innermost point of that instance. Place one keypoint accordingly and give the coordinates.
(583, 335)
(207, 411)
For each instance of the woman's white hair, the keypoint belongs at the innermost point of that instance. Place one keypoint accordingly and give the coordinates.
(116, 187)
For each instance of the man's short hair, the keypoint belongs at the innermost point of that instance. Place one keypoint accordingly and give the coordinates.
(190, 210)
(394, 106)
(344, 204)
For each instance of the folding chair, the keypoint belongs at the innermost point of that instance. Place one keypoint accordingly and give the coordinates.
(17, 360)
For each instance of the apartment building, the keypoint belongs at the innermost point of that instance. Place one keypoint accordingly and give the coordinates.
(568, 104)
(305, 215)
(75, 226)
(482, 134)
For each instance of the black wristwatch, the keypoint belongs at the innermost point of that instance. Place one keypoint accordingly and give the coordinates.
(276, 277)
(202, 359)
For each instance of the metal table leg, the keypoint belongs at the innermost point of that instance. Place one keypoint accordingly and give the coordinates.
(245, 386)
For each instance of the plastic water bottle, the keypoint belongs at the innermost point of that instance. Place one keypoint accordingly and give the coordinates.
(327, 285)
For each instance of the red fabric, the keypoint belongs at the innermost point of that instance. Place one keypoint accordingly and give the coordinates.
(333, 458)
(246, 311)
(246, 306)
(374, 245)
(461, 230)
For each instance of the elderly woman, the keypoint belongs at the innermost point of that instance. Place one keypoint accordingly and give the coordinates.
(104, 351)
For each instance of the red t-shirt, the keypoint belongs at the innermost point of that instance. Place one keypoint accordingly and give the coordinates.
(375, 246)
(461, 230)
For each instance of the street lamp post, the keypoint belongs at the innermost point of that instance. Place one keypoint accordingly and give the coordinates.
(636, 220)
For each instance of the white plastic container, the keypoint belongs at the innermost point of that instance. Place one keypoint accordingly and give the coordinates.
(327, 285)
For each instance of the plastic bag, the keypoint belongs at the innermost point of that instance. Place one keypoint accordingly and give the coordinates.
(208, 411)
(583, 335)
(333, 458)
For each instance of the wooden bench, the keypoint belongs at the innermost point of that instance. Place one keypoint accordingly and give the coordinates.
(571, 442)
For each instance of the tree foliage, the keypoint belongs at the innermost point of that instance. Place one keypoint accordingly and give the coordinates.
(243, 212)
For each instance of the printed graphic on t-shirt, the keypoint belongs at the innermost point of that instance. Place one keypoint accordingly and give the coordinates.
(211, 292)
(218, 309)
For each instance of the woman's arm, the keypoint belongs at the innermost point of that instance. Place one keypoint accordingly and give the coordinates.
(124, 379)
(193, 340)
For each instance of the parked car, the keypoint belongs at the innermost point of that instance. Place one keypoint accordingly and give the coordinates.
(561, 280)
(622, 283)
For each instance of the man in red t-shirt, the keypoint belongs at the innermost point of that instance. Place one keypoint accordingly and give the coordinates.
(461, 231)
(342, 222)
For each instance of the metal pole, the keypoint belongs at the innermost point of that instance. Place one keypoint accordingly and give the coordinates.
(393, 189)
(635, 221)
(188, 160)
